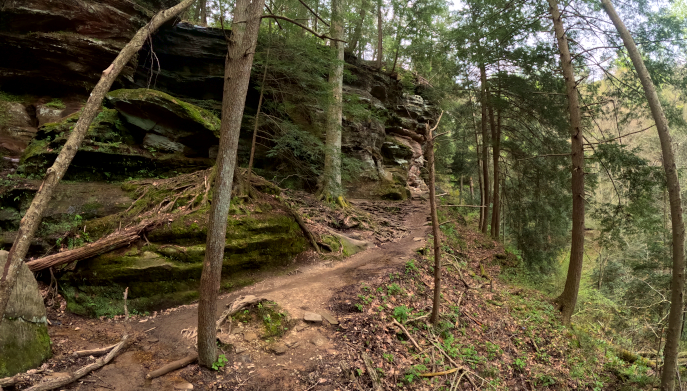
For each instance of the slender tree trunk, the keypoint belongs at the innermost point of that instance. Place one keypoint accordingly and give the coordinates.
(496, 142)
(358, 29)
(380, 35)
(460, 194)
(435, 223)
(331, 184)
(196, 15)
(204, 12)
(677, 285)
(29, 224)
(237, 67)
(257, 115)
(317, 11)
(472, 191)
(485, 150)
(568, 298)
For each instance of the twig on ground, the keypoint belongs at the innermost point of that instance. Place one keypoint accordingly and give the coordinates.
(407, 335)
(447, 372)
(93, 352)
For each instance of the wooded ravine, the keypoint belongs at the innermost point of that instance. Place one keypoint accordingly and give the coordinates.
(342, 195)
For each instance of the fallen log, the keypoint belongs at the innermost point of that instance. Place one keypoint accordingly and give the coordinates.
(173, 366)
(99, 363)
(108, 243)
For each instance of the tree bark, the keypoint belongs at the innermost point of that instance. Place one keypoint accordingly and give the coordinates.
(241, 49)
(496, 146)
(472, 191)
(568, 298)
(358, 29)
(678, 280)
(485, 150)
(257, 116)
(435, 223)
(380, 35)
(204, 12)
(29, 224)
(331, 184)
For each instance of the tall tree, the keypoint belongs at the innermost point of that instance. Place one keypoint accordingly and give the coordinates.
(331, 177)
(32, 218)
(436, 232)
(358, 28)
(380, 35)
(241, 49)
(677, 285)
(485, 149)
(496, 154)
(568, 298)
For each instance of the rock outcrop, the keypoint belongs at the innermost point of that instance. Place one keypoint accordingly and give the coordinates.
(24, 340)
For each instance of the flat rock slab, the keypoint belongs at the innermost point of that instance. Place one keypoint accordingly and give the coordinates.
(300, 328)
(329, 318)
(183, 386)
(224, 338)
(278, 348)
(312, 317)
(249, 336)
(318, 340)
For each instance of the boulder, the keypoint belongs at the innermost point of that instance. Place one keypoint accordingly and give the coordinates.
(24, 340)
(50, 112)
(16, 128)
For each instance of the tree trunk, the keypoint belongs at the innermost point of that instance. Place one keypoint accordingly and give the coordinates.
(203, 12)
(435, 222)
(33, 216)
(568, 298)
(331, 184)
(237, 67)
(678, 281)
(257, 114)
(380, 35)
(460, 193)
(496, 145)
(358, 29)
(472, 191)
(485, 151)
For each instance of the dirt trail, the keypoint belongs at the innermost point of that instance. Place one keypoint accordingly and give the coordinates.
(311, 289)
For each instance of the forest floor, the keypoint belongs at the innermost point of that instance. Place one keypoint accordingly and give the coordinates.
(491, 335)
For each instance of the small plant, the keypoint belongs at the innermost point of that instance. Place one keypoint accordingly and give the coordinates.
(401, 313)
(359, 307)
(411, 268)
(414, 372)
(394, 289)
(220, 363)
(388, 357)
(519, 364)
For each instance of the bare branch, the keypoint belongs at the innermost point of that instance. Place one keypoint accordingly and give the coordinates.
(321, 36)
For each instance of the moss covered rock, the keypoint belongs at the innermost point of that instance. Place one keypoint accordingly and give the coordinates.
(24, 340)
(167, 272)
(114, 148)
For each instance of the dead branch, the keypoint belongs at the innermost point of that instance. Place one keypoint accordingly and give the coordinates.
(173, 366)
(314, 13)
(447, 372)
(369, 365)
(93, 352)
(237, 305)
(321, 36)
(407, 334)
(99, 363)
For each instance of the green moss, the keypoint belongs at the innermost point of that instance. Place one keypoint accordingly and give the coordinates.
(177, 106)
(161, 275)
(24, 345)
(56, 103)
